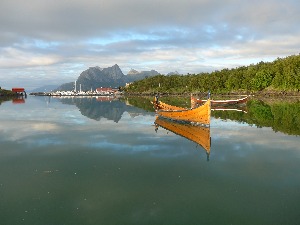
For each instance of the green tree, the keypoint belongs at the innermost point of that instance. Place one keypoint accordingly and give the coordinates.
(262, 79)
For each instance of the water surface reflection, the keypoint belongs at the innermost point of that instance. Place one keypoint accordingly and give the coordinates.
(69, 164)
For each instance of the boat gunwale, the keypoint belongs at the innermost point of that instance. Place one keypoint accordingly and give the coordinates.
(236, 101)
(191, 116)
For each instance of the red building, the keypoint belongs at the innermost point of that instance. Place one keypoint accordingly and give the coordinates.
(104, 89)
(107, 89)
(18, 90)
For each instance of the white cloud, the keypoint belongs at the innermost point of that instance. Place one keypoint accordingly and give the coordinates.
(63, 38)
(17, 58)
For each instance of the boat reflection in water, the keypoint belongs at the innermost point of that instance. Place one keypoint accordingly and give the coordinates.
(196, 133)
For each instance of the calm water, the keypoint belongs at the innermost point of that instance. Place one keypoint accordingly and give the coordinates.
(82, 161)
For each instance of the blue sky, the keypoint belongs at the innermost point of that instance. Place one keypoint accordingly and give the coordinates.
(51, 42)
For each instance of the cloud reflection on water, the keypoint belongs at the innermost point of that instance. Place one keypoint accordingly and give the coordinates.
(63, 124)
(251, 136)
(58, 162)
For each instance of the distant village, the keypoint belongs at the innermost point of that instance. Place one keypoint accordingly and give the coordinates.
(102, 91)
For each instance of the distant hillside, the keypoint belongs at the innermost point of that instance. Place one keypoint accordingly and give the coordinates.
(66, 87)
(96, 77)
(134, 75)
(173, 73)
(46, 88)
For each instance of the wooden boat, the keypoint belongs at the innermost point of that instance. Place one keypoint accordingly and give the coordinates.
(195, 101)
(230, 109)
(197, 134)
(199, 115)
(159, 105)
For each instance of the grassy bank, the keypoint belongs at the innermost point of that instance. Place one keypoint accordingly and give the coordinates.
(7, 93)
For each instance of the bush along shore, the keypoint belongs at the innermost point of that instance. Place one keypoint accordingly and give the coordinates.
(258, 94)
(278, 78)
(6, 95)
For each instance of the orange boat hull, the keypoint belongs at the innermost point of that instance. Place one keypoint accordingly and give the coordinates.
(200, 115)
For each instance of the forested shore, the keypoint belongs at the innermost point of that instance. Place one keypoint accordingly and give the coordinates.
(278, 78)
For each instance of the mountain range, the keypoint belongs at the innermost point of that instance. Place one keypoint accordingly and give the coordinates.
(95, 77)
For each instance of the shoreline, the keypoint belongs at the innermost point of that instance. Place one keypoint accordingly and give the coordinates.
(265, 94)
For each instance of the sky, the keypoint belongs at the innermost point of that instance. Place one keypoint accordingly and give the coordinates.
(45, 42)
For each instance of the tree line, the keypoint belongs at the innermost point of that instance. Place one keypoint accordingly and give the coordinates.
(283, 74)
